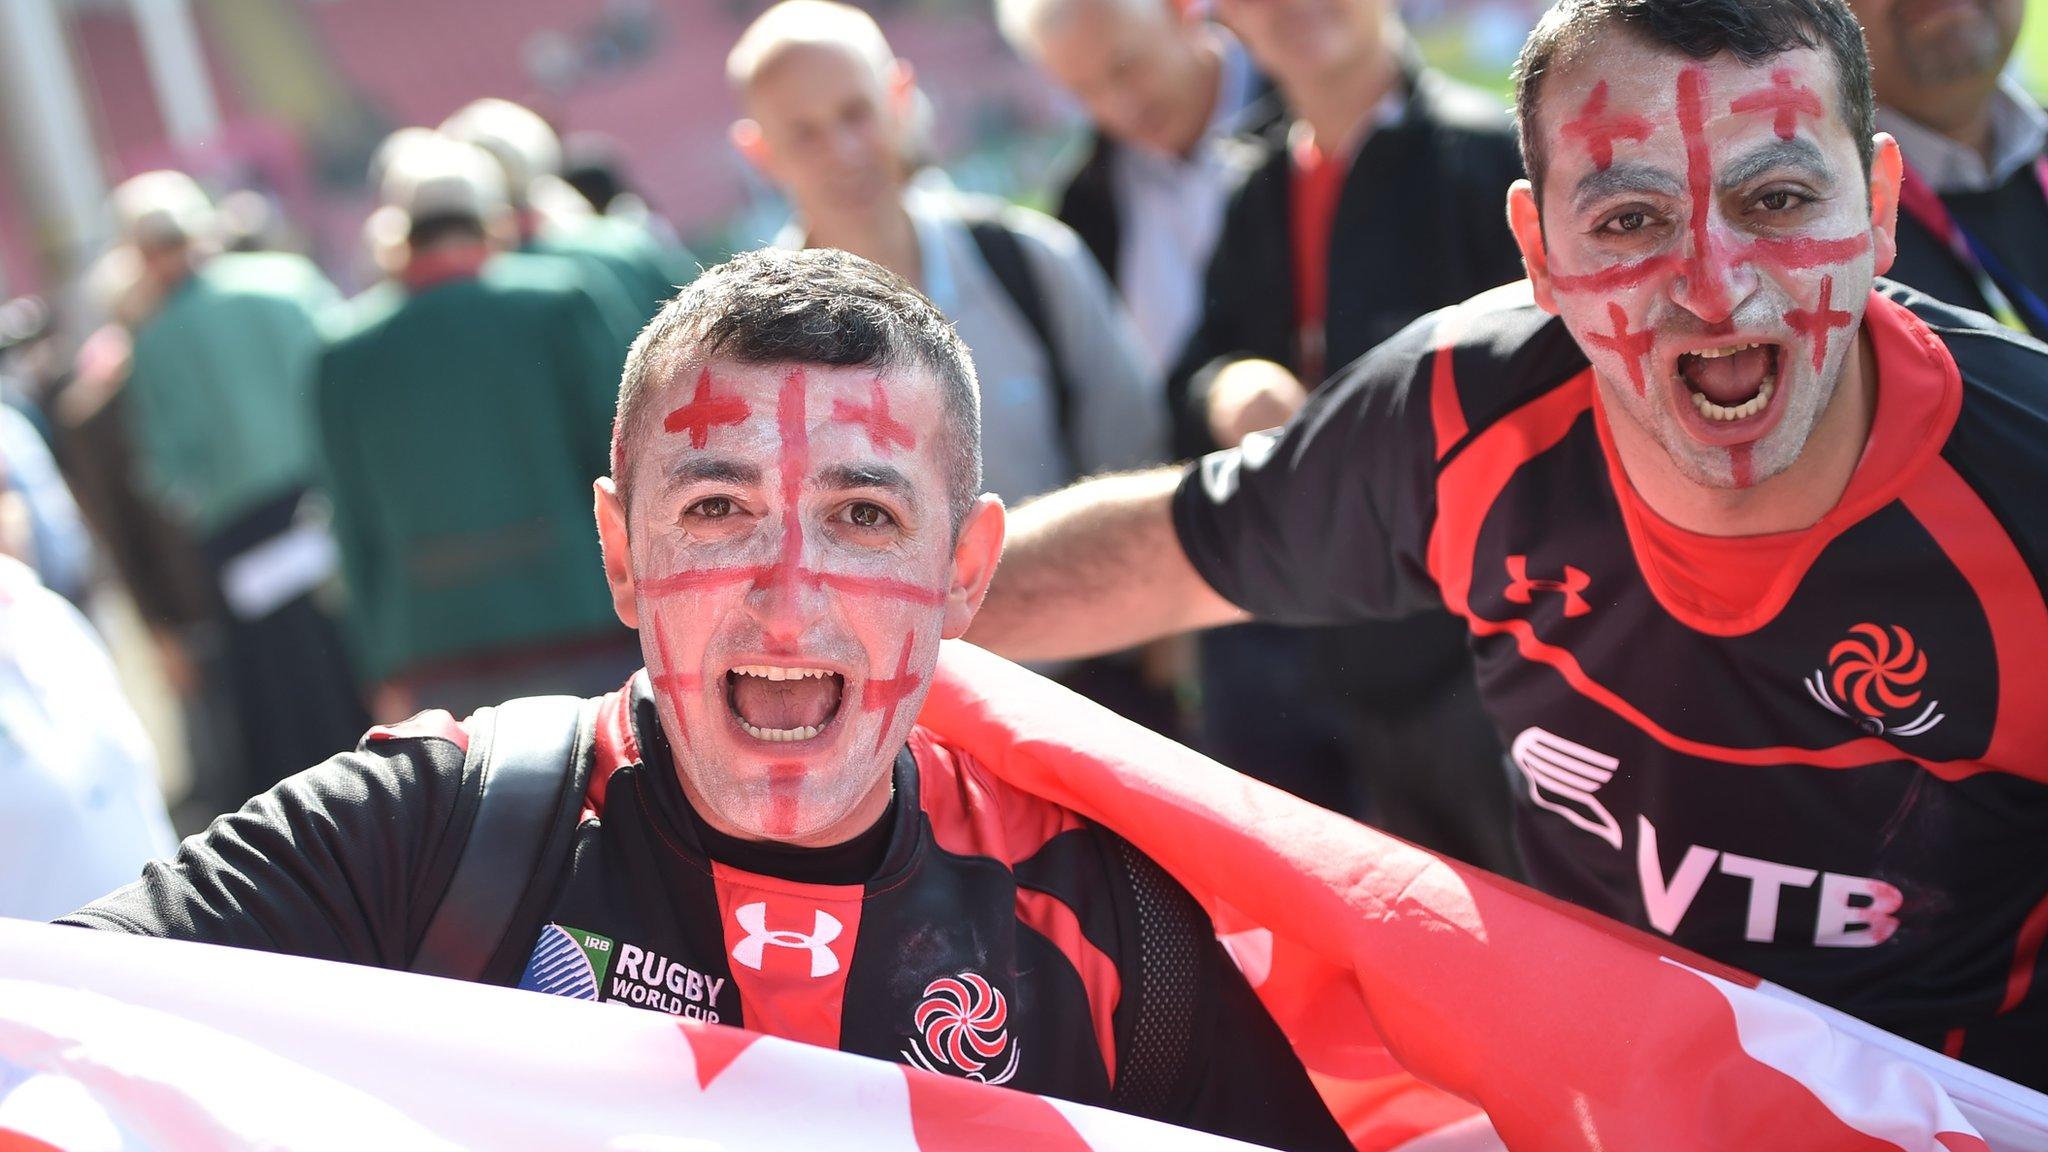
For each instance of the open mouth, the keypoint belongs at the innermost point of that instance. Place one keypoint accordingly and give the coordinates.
(782, 705)
(1732, 383)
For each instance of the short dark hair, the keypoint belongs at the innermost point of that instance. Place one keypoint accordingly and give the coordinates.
(815, 306)
(1754, 30)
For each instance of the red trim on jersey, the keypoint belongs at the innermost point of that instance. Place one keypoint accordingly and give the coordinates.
(432, 724)
(1050, 917)
(1446, 411)
(614, 745)
(789, 945)
(1973, 540)
(974, 814)
(1733, 585)
(1468, 487)
(2026, 956)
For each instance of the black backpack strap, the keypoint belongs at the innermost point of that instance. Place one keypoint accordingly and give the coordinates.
(527, 757)
(1004, 255)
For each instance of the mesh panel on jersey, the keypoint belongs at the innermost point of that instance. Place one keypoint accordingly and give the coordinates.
(1172, 932)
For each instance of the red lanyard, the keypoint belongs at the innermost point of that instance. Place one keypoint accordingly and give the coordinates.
(1921, 202)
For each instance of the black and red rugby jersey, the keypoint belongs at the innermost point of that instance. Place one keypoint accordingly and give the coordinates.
(978, 932)
(1821, 756)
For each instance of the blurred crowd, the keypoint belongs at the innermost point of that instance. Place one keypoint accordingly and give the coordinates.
(293, 515)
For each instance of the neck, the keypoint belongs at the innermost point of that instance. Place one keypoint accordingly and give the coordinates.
(1336, 101)
(885, 236)
(1960, 111)
(1208, 89)
(1794, 499)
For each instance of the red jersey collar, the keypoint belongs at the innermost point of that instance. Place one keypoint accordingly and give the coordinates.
(1730, 585)
(459, 262)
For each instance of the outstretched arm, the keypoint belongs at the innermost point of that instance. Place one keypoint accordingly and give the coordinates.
(1094, 568)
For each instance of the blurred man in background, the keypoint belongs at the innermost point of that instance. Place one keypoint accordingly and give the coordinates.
(1973, 219)
(832, 117)
(1380, 202)
(1065, 391)
(1168, 95)
(552, 218)
(462, 414)
(221, 418)
(80, 809)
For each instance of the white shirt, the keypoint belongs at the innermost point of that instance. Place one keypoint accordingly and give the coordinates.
(80, 810)
(1170, 210)
(2019, 133)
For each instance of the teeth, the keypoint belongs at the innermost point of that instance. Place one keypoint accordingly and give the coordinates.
(1742, 411)
(775, 672)
(781, 735)
(1717, 353)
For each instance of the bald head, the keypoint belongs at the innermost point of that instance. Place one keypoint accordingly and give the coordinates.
(795, 24)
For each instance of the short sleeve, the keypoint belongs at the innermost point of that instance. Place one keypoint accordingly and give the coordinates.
(1326, 520)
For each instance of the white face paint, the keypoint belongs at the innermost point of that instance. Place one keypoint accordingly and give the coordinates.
(1708, 240)
(791, 556)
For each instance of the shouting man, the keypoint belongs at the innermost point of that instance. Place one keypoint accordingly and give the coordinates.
(754, 831)
(1745, 543)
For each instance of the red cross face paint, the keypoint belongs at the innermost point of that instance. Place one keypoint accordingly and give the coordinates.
(1708, 239)
(792, 551)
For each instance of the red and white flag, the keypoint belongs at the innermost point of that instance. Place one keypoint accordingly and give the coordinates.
(1441, 1010)
(1422, 993)
(114, 1043)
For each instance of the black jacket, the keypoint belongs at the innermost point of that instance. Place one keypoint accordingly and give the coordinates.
(1087, 196)
(978, 931)
(2011, 220)
(1421, 224)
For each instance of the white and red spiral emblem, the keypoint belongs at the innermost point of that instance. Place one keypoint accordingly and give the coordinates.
(1872, 676)
(1876, 670)
(963, 1024)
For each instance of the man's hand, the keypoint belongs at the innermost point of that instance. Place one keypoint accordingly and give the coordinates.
(1249, 396)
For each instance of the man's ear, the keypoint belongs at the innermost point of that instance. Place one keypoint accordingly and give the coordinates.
(900, 81)
(745, 135)
(618, 557)
(1887, 168)
(1525, 220)
(974, 564)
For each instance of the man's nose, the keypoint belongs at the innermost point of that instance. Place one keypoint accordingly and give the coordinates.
(1717, 275)
(787, 598)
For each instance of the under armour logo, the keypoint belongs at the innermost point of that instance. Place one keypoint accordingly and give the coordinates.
(754, 918)
(1574, 582)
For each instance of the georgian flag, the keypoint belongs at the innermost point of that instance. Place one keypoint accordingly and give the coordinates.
(112, 1043)
(1427, 997)
(1440, 1009)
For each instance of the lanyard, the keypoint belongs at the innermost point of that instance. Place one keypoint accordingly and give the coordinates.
(2005, 296)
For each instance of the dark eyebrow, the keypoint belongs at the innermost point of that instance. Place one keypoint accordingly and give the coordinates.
(1797, 153)
(1620, 178)
(883, 476)
(713, 469)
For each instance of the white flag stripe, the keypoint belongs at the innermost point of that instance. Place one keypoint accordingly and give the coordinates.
(248, 1049)
(1867, 1085)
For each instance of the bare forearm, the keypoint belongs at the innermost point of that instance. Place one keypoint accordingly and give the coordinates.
(1096, 568)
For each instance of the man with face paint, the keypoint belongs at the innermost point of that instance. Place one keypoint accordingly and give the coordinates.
(1973, 208)
(765, 837)
(1745, 541)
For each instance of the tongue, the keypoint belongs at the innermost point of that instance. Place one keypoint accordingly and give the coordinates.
(785, 703)
(1728, 380)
